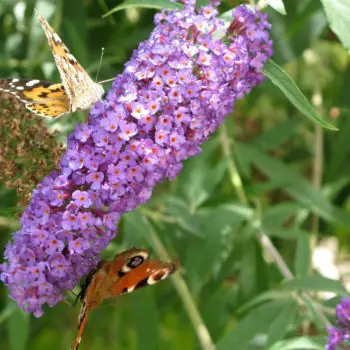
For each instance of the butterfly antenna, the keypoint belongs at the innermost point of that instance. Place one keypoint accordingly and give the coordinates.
(99, 65)
(105, 81)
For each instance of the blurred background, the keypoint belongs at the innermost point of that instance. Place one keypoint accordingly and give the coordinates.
(268, 179)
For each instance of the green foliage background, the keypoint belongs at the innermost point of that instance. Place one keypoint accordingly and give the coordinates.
(269, 178)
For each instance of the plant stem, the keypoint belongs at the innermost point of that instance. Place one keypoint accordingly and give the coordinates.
(232, 169)
(186, 297)
(280, 263)
(317, 166)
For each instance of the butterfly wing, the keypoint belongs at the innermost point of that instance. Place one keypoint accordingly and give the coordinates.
(129, 271)
(146, 274)
(81, 89)
(43, 98)
(100, 281)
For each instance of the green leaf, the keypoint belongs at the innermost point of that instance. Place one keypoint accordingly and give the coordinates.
(313, 312)
(277, 135)
(18, 328)
(316, 283)
(262, 298)
(287, 85)
(216, 311)
(301, 343)
(253, 275)
(151, 4)
(197, 185)
(280, 324)
(257, 321)
(205, 259)
(338, 15)
(274, 218)
(302, 256)
(136, 227)
(7, 312)
(294, 184)
(179, 210)
(145, 320)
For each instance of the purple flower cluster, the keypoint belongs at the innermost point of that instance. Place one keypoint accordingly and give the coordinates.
(175, 91)
(339, 337)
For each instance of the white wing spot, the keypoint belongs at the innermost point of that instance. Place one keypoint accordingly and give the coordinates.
(56, 38)
(14, 80)
(130, 289)
(20, 88)
(32, 82)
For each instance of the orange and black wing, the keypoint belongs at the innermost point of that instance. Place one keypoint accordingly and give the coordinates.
(148, 273)
(43, 98)
(128, 271)
(99, 283)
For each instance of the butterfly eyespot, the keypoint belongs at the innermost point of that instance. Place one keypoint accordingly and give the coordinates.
(135, 261)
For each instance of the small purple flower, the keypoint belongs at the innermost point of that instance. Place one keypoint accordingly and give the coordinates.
(95, 178)
(176, 140)
(53, 246)
(39, 237)
(78, 246)
(138, 110)
(174, 93)
(82, 132)
(128, 130)
(81, 199)
(85, 219)
(110, 123)
(69, 221)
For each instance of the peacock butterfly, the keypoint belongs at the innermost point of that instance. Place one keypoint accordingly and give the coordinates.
(129, 270)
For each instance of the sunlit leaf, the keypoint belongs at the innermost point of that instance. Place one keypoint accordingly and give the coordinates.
(309, 343)
(277, 5)
(338, 15)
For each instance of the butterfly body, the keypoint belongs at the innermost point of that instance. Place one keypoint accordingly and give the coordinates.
(128, 271)
(76, 92)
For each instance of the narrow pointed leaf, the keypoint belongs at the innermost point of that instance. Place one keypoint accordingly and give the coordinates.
(302, 256)
(151, 4)
(286, 84)
(316, 283)
(279, 326)
(257, 321)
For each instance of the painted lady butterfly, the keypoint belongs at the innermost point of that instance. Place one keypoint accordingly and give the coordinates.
(76, 92)
(129, 270)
